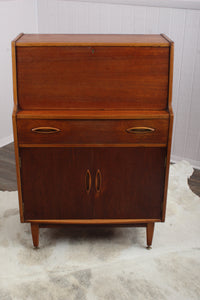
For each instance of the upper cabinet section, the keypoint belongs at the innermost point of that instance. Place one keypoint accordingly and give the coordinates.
(92, 72)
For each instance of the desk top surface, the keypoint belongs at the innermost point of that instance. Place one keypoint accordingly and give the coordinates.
(137, 40)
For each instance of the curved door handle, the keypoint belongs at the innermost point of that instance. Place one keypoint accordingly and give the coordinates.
(88, 181)
(98, 181)
(140, 130)
(45, 130)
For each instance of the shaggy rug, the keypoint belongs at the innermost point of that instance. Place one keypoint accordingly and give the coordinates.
(105, 263)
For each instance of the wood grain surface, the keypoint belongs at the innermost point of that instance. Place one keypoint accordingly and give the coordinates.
(81, 114)
(92, 78)
(62, 175)
(92, 131)
(8, 180)
(35, 40)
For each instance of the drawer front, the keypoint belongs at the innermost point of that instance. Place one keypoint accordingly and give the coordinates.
(33, 131)
(92, 77)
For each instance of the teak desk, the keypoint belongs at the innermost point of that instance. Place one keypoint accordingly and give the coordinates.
(92, 127)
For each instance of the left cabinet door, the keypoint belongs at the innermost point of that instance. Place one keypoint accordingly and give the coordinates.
(56, 183)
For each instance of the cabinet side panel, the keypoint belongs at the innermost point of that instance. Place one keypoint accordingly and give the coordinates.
(93, 77)
(171, 66)
(14, 123)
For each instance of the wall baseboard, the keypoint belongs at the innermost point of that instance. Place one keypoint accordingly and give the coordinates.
(195, 163)
(6, 140)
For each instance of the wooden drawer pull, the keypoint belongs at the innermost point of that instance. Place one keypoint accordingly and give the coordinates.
(88, 181)
(45, 130)
(98, 181)
(140, 130)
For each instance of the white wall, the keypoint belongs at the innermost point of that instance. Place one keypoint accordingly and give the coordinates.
(15, 17)
(182, 25)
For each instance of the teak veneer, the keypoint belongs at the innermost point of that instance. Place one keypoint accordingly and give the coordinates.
(92, 125)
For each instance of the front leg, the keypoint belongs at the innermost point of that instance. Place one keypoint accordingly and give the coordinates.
(35, 234)
(150, 231)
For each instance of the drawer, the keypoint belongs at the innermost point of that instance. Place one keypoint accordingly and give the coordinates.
(39, 131)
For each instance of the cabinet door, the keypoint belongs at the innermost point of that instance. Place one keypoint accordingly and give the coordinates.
(129, 183)
(55, 183)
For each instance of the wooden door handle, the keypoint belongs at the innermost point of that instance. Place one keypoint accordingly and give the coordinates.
(140, 130)
(88, 181)
(98, 181)
(45, 130)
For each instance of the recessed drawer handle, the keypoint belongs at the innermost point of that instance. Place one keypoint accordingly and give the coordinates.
(140, 130)
(88, 181)
(45, 130)
(98, 181)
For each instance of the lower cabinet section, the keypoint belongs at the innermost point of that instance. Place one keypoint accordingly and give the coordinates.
(92, 182)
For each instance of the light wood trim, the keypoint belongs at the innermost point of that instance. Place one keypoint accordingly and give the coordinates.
(90, 145)
(17, 37)
(88, 181)
(35, 234)
(14, 67)
(92, 44)
(150, 231)
(92, 114)
(96, 40)
(45, 130)
(140, 130)
(171, 78)
(167, 38)
(170, 129)
(95, 221)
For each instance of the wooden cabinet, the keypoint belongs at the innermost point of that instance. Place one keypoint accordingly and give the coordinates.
(92, 126)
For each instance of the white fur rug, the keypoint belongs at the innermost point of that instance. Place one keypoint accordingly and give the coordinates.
(109, 263)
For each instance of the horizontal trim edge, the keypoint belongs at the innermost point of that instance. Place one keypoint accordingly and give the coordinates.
(95, 221)
(90, 145)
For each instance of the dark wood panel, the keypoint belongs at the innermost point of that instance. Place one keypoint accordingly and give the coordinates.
(91, 131)
(92, 77)
(9, 183)
(131, 184)
(93, 39)
(53, 183)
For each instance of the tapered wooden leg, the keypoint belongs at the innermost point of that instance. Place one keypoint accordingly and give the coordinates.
(35, 234)
(150, 231)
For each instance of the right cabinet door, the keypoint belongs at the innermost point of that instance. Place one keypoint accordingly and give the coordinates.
(129, 182)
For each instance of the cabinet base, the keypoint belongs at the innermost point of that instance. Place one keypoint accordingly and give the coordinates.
(35, 230)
